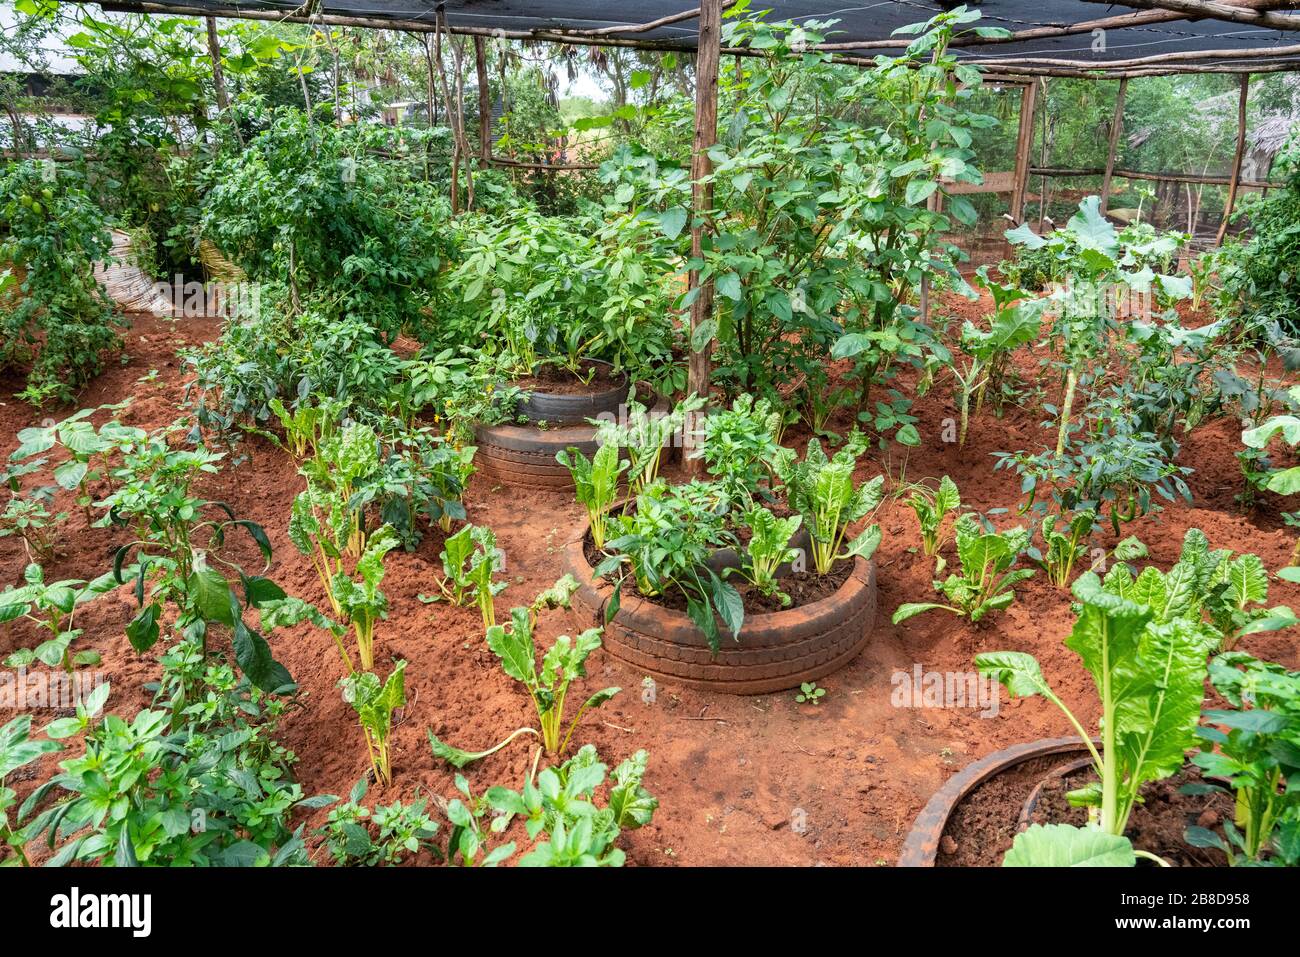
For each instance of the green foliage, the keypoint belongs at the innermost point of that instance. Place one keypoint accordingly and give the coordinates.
(470, 562)
(311, 206)
(358, 597)
(563, 662)
(374, 702)
(596, 483)
(57, 318)
(27, 515)
(809, 693)
(17, 750)
(309, 423)
(739, 446)
(987, 580)
(178, 545)
(666, 540)
(1060, 845)
(822, 491)
(52, 606)
(213, 790)
(1149, 672)
(932, 507)
(1254, 747)
(643, 435)
(768, 549)
(1281, 481)
(560, 807)
(357, 835)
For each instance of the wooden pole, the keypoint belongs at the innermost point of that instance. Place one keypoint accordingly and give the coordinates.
(1236, 161)
(1024, 141)
(219, 78)
(484, 101)
(1217, 11)
(706, 134)
(1116, 124)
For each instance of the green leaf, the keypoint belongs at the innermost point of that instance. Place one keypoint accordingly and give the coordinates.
(1060, 845)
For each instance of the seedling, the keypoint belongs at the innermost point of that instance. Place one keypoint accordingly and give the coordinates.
(52, 606)
(809, 693)
(932, 507)
(987, 578)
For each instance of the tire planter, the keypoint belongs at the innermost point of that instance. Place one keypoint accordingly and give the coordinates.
(556, 408)
(922, 845)
(525, 454)
(776, 651)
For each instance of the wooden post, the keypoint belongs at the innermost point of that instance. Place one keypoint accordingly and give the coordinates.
(1236, 162)
(484, 101)
(218, 79)
(708, 53)
(1024, 140)
(1116, 124)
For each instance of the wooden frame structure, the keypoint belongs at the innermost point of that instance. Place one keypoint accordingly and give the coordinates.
(1025, 71)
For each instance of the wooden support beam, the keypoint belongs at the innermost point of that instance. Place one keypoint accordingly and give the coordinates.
(1207, 9)
(484, 101)
(1116, 125)
(1177, 56)
(1194, 178)
(1243, 94)
(706, 134)
(1024, 141)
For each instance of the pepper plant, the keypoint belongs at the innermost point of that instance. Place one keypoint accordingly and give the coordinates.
(52, 606)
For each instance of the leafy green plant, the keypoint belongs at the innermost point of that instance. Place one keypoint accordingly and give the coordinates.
(308, 424)
(27, 515)
(1281, 481)
(665, 539)
(548, 687)
(809, 693)
(17, 750)
(932, 507)
(768, 549)
(596, 483)
(178, 545)
(1254, 747)
(1016, 321)
(374, 702)
(357, 835)
(1149, 676)
(988, 576)
(90, 451)
(361, 602)
(213, 790)
(470, 562)
(559, 806)
(62, 322)
(52, 606)
(739, 446)
(643, 436)
(822, 491)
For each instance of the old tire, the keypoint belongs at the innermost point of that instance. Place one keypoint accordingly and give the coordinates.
(922, 845)
(776, 651)
(556, 408)
(525, 454)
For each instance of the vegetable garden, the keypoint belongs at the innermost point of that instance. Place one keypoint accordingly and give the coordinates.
(664, 480)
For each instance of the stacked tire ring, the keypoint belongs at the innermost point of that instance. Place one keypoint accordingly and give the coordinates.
(525, 454)
(776, 651)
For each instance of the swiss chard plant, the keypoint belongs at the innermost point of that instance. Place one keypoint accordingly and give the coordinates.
(308, 423)
(643, 435)
(768, 549)
(932, 508)
(358, 597)
(374, 702)
(548, 686)
(1254, 747)
(988, 576)
(823, 492)
(1016, 321)
(1149, 676)
(596, 483)
(470, 563)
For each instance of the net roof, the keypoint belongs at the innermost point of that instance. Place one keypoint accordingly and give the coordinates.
(862, 25)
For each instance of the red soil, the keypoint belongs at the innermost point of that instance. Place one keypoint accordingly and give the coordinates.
(741, 780)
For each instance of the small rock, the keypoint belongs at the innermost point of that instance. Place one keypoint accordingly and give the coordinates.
(948, 845)
(1208, 818)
